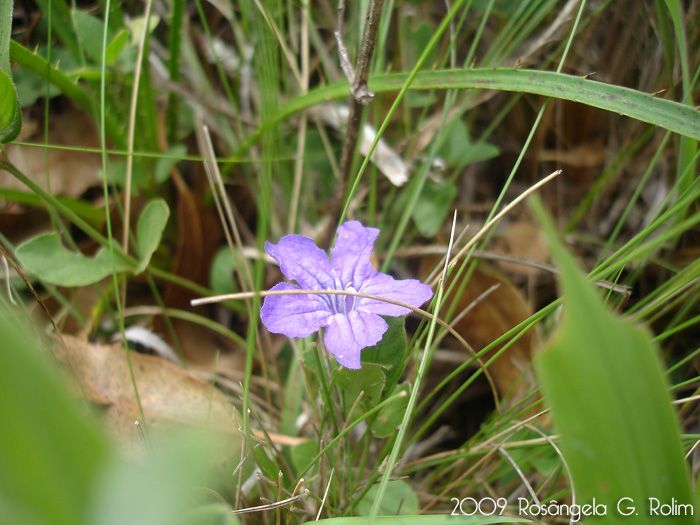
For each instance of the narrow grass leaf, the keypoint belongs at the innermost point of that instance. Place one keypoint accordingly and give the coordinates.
(5, 32)
(442, 519)
(605, 384)
(149, 231)
(48, 259)
(679, 118)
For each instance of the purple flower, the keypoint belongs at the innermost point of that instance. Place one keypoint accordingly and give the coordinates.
(351, 323)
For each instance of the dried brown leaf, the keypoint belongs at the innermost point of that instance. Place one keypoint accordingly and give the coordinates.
(170, 396)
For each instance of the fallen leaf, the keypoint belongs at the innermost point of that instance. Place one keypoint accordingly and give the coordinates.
(495, 314)
(522, 240)
(70, 172)
(170, 396)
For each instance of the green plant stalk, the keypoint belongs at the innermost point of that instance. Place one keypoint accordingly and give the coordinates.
(223, 77)
(408, 414)
(108, 220)
(635, 196)
(398, 234)
(6, 8)
(528, 324)
(37, 64)
(63, 24)
(686, 148)
(174, 46)
(669, 332)
(609, 174)
(76, 219)
(530, 135)
(622, 256)
(189, 317)
(660, 296)
(372, 411)
(479, 32)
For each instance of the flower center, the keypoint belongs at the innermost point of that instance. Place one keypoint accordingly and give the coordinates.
(341, 304)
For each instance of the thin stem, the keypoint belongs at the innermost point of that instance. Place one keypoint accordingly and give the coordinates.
(361, 95)
(419, 311)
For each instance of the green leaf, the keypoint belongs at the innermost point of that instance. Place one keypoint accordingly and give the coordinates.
(432, 206)
(390, 417)
(149, 231)
(136, 26)
(390, 352)
(10, 133)
(369, 379)
(8, 100)
(605, 384)
(221, 272)
(49, 260)
(90, 31)
(679, 118)
(212, 514)
(50, 452)
(303, 454)
(399, 499)
(164, 164)
(115, 47)
(458, 151)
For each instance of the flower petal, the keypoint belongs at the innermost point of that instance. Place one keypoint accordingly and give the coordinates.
(294, 315)
(302, 261)
(347, 335)
(350, 255)
(409, 291)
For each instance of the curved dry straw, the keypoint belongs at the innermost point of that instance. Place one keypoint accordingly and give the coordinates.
(419, 311)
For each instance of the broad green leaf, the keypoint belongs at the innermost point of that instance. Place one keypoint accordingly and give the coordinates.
(390, 417)
(149, 231)
(389, 353)
(221, 272)
(8, 100)
(605, 384)
(165, 163)
(158, 492)
(10, 133)
(136, 27)
(439, 519)
(399, 499)
(369, 379)
(458, 151)
(90, 31)
(212, 514)
(51, 453)
(303, 454)
(48, 259)
(432, 206)
(115, 47)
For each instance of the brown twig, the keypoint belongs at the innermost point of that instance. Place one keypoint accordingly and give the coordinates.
(361, 95)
